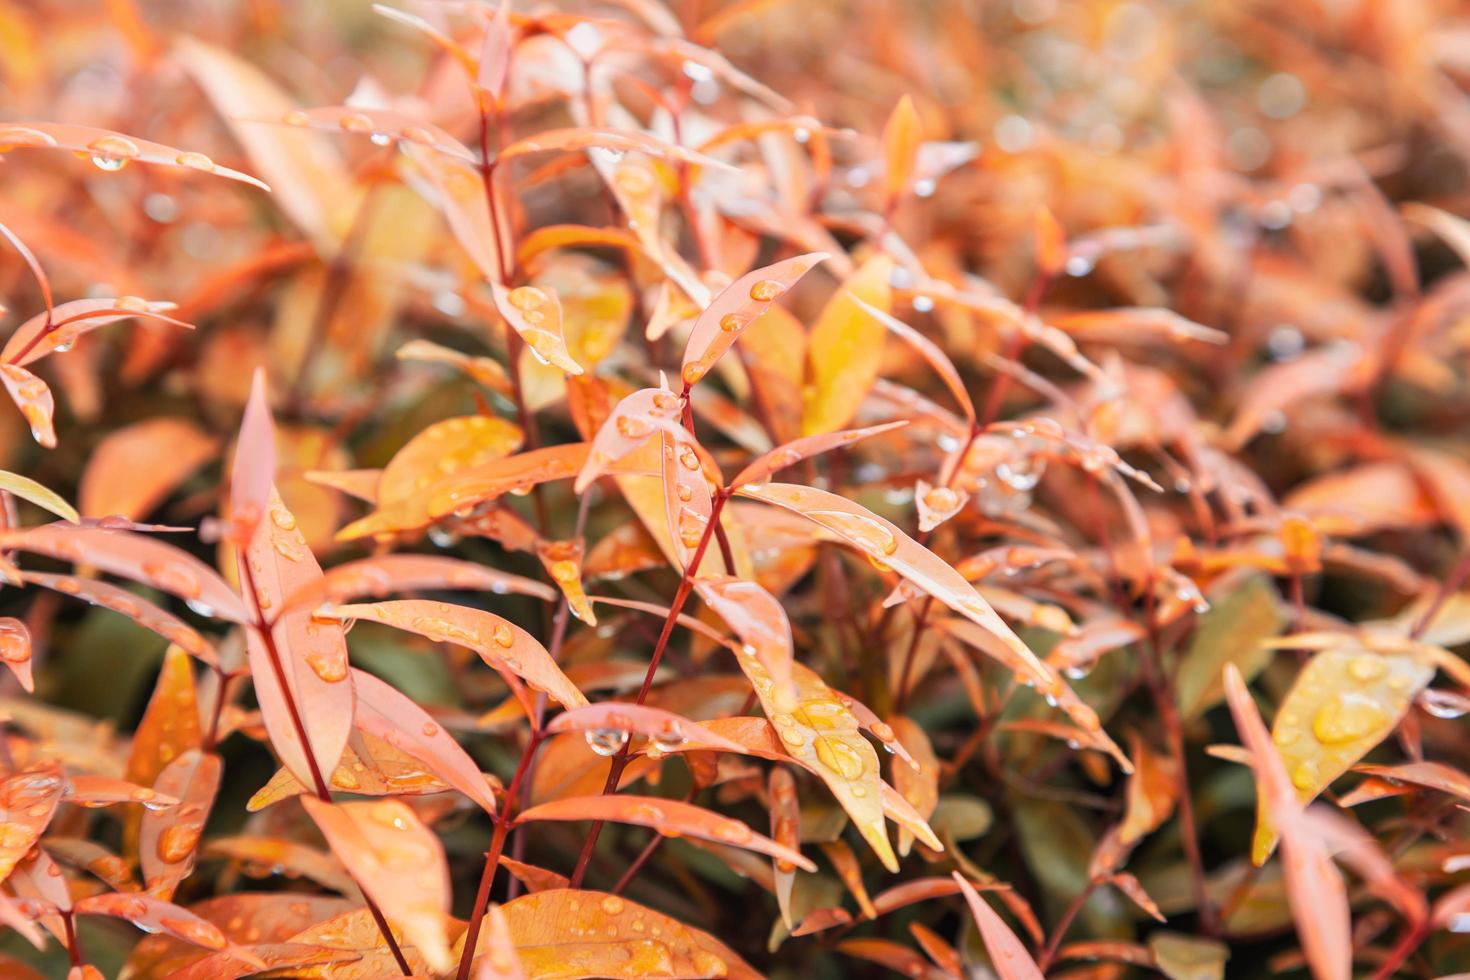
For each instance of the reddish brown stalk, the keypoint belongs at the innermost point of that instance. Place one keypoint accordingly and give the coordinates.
(1163, 695)
(1063, 924)
(318, 783)
(686, 585)
(492, 857)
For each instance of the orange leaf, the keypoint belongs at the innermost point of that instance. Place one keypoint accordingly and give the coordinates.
(733, 309)
(572, 934)
(398, 862)
(168, 838)
(669, 817)
(1007, 954)
(28, 800)
(112, 151)
(499, 642)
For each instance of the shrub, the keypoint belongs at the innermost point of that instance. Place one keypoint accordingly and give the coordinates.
(636, 489)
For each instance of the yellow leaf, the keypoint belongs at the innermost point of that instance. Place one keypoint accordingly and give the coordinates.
(1344, 702)
(845, 349)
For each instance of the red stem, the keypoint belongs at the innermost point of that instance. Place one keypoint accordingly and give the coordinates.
(686, 585)
(318, 782)
(492, 856)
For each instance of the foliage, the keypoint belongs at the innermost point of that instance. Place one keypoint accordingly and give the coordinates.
(635, 488)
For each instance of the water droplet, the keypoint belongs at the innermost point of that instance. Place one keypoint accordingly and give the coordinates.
(606, 741)
(1021, 474)
(178, 842)
(1347, 717)
(839, 757)
(766, 290)
(195, 161)
(112, 153)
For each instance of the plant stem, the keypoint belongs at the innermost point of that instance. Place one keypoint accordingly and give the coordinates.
(320, 785)
(1049, 953)
(492, 856)
(1163, 696)
(1412, 940)
(686, 585)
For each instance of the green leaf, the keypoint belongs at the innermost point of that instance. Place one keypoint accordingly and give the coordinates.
(1232, 632)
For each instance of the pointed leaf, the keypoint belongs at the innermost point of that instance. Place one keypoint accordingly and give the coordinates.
(499, 642)
(398, 862)
(670, 817)
(733, 309)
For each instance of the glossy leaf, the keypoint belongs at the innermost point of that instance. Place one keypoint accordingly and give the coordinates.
(565, 934)
(112, 151)
(732, 310)
(398, 862)
(669, 817)
(1344, 702)
(500, 643)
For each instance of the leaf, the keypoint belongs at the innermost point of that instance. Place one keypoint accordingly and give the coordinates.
(1007, 954)
(1231, 632)
(845, 348)
(535, 315)
(666, 730)
(28, 489)
(1319, 902)
(135, 468)
(563, 563)
(672, 818)
(1181, 957)
(153, 915)
(28, 800)
(1431, 775)
(1153, 792)
(38, 336)
(128, 604)
(112, 151)
(301, 675)
(763, 467)
(15, 650)
(312, 186)
(884, 952)
(139, 557)
(34, 399)
(901, 136)
(785, 830)
(1343, 703)
(937, 504)
(734, 308)
(634, 420)
(928, 350)
(169, 838)
(483, 370)
(388, 714)
(370, 766)
(570, 934)
(398, 862)
(444, 448)
(758, 618)
(469, 488)
(1277, 388)
(917, 783)
(819, 731)
(282, 857)
(169, 728)
(500, 643)
(500, 961)
(615, 140)
(411, 573)
(379, 124)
